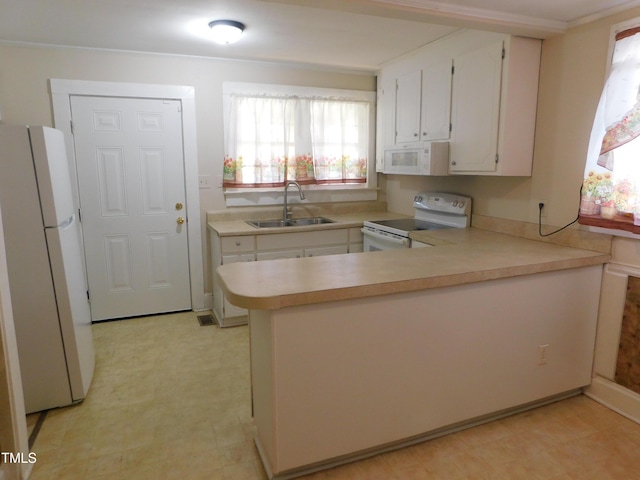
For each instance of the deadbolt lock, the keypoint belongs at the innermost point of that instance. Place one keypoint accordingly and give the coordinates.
(179, 206)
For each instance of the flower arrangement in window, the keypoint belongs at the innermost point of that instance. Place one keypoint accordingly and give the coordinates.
(304, 167)
(232, 169)
(594, 186)
(606, 198)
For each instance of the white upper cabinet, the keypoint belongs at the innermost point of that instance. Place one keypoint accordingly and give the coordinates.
(408, 89)
(485, 106)
(436, 101)
(386, 118)
(476, 109)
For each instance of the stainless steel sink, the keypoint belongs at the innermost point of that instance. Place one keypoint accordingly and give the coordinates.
(310, 221)
(293, 222)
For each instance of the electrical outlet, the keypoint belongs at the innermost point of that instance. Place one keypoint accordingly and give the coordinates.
(545, 208)
(204, 181)
(543, 352)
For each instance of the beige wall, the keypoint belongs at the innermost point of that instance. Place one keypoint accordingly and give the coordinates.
(572, 74)
(24, 94)
(25, 99)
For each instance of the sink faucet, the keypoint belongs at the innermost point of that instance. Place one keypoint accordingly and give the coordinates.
(286, 214)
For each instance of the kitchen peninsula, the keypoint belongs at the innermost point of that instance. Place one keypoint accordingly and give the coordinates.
(354, 354)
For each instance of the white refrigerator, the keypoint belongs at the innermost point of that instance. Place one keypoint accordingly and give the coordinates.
(46, 268)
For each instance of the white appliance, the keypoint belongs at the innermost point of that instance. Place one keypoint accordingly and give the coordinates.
(425, 158)
(46, 270)
(433, 211)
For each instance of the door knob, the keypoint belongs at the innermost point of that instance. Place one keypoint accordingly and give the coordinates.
(180, 220)
(179, 206)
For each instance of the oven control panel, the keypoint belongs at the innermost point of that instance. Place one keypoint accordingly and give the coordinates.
(443, 202)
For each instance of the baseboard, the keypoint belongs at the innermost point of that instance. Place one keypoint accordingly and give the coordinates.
(617, 398)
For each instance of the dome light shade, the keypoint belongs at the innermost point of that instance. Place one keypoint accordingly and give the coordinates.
(226, 31)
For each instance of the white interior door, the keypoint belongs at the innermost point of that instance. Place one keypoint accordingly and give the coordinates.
(130, 168)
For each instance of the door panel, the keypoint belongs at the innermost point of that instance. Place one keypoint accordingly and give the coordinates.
(131, 176)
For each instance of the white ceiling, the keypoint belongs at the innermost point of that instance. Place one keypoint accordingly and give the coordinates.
(344, 34)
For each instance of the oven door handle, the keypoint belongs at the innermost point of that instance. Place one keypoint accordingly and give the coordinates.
(391, 238)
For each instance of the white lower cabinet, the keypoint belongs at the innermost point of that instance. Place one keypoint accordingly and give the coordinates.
(272, 246)
(355, 240)
(225, 250)
(229, 309)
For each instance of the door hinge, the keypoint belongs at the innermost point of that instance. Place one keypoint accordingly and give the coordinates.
(497, 155)
(450, 127)
(71, 125)
(504, 53)
(88, 297)
(79, 216)
(453, 69)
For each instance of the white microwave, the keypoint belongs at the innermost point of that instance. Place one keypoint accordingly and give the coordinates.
(424, 158)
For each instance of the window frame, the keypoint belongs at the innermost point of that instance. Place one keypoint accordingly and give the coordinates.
(315, 193)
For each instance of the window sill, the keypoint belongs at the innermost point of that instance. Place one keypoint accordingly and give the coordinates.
(236, 197)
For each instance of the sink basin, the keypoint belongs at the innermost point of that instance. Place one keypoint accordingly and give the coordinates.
(293, 222)
(310, 221)
(270, 223)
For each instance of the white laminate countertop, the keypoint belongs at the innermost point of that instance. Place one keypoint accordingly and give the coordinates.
(461, 256)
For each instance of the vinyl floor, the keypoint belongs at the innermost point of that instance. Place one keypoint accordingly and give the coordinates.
(171, 400)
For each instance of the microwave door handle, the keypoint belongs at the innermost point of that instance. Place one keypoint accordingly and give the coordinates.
(387, 238)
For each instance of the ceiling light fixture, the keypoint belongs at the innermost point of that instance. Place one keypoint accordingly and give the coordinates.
(226, 31)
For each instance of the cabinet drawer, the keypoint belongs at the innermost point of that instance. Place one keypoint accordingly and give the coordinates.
(319, 251)
(302, 239)
(243, 257)
(297, 253)
(240, 243)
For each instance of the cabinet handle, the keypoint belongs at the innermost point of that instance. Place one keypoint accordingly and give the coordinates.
(424, 134)
(237, 243)
(415, 134)
(453, 163)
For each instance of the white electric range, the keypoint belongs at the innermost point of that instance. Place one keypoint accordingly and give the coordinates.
(433, 211)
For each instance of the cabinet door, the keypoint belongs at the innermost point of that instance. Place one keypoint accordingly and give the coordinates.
(231, 310)
(475, 109)
(408, 107)
(297, 253)
(386, 118)
(435, 119)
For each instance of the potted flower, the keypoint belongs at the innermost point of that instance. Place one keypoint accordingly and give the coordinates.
(624, 196)
(588, 203)
(604, 192)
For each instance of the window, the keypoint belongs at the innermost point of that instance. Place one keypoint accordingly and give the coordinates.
(610, 196)
(276, 134)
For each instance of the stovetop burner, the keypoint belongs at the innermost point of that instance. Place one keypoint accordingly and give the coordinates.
(409, 224)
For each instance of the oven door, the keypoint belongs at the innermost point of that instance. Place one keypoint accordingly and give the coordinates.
(375, 240)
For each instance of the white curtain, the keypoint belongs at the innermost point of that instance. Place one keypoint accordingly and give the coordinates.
(611, 187)
(273, 139)
(340, 135)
